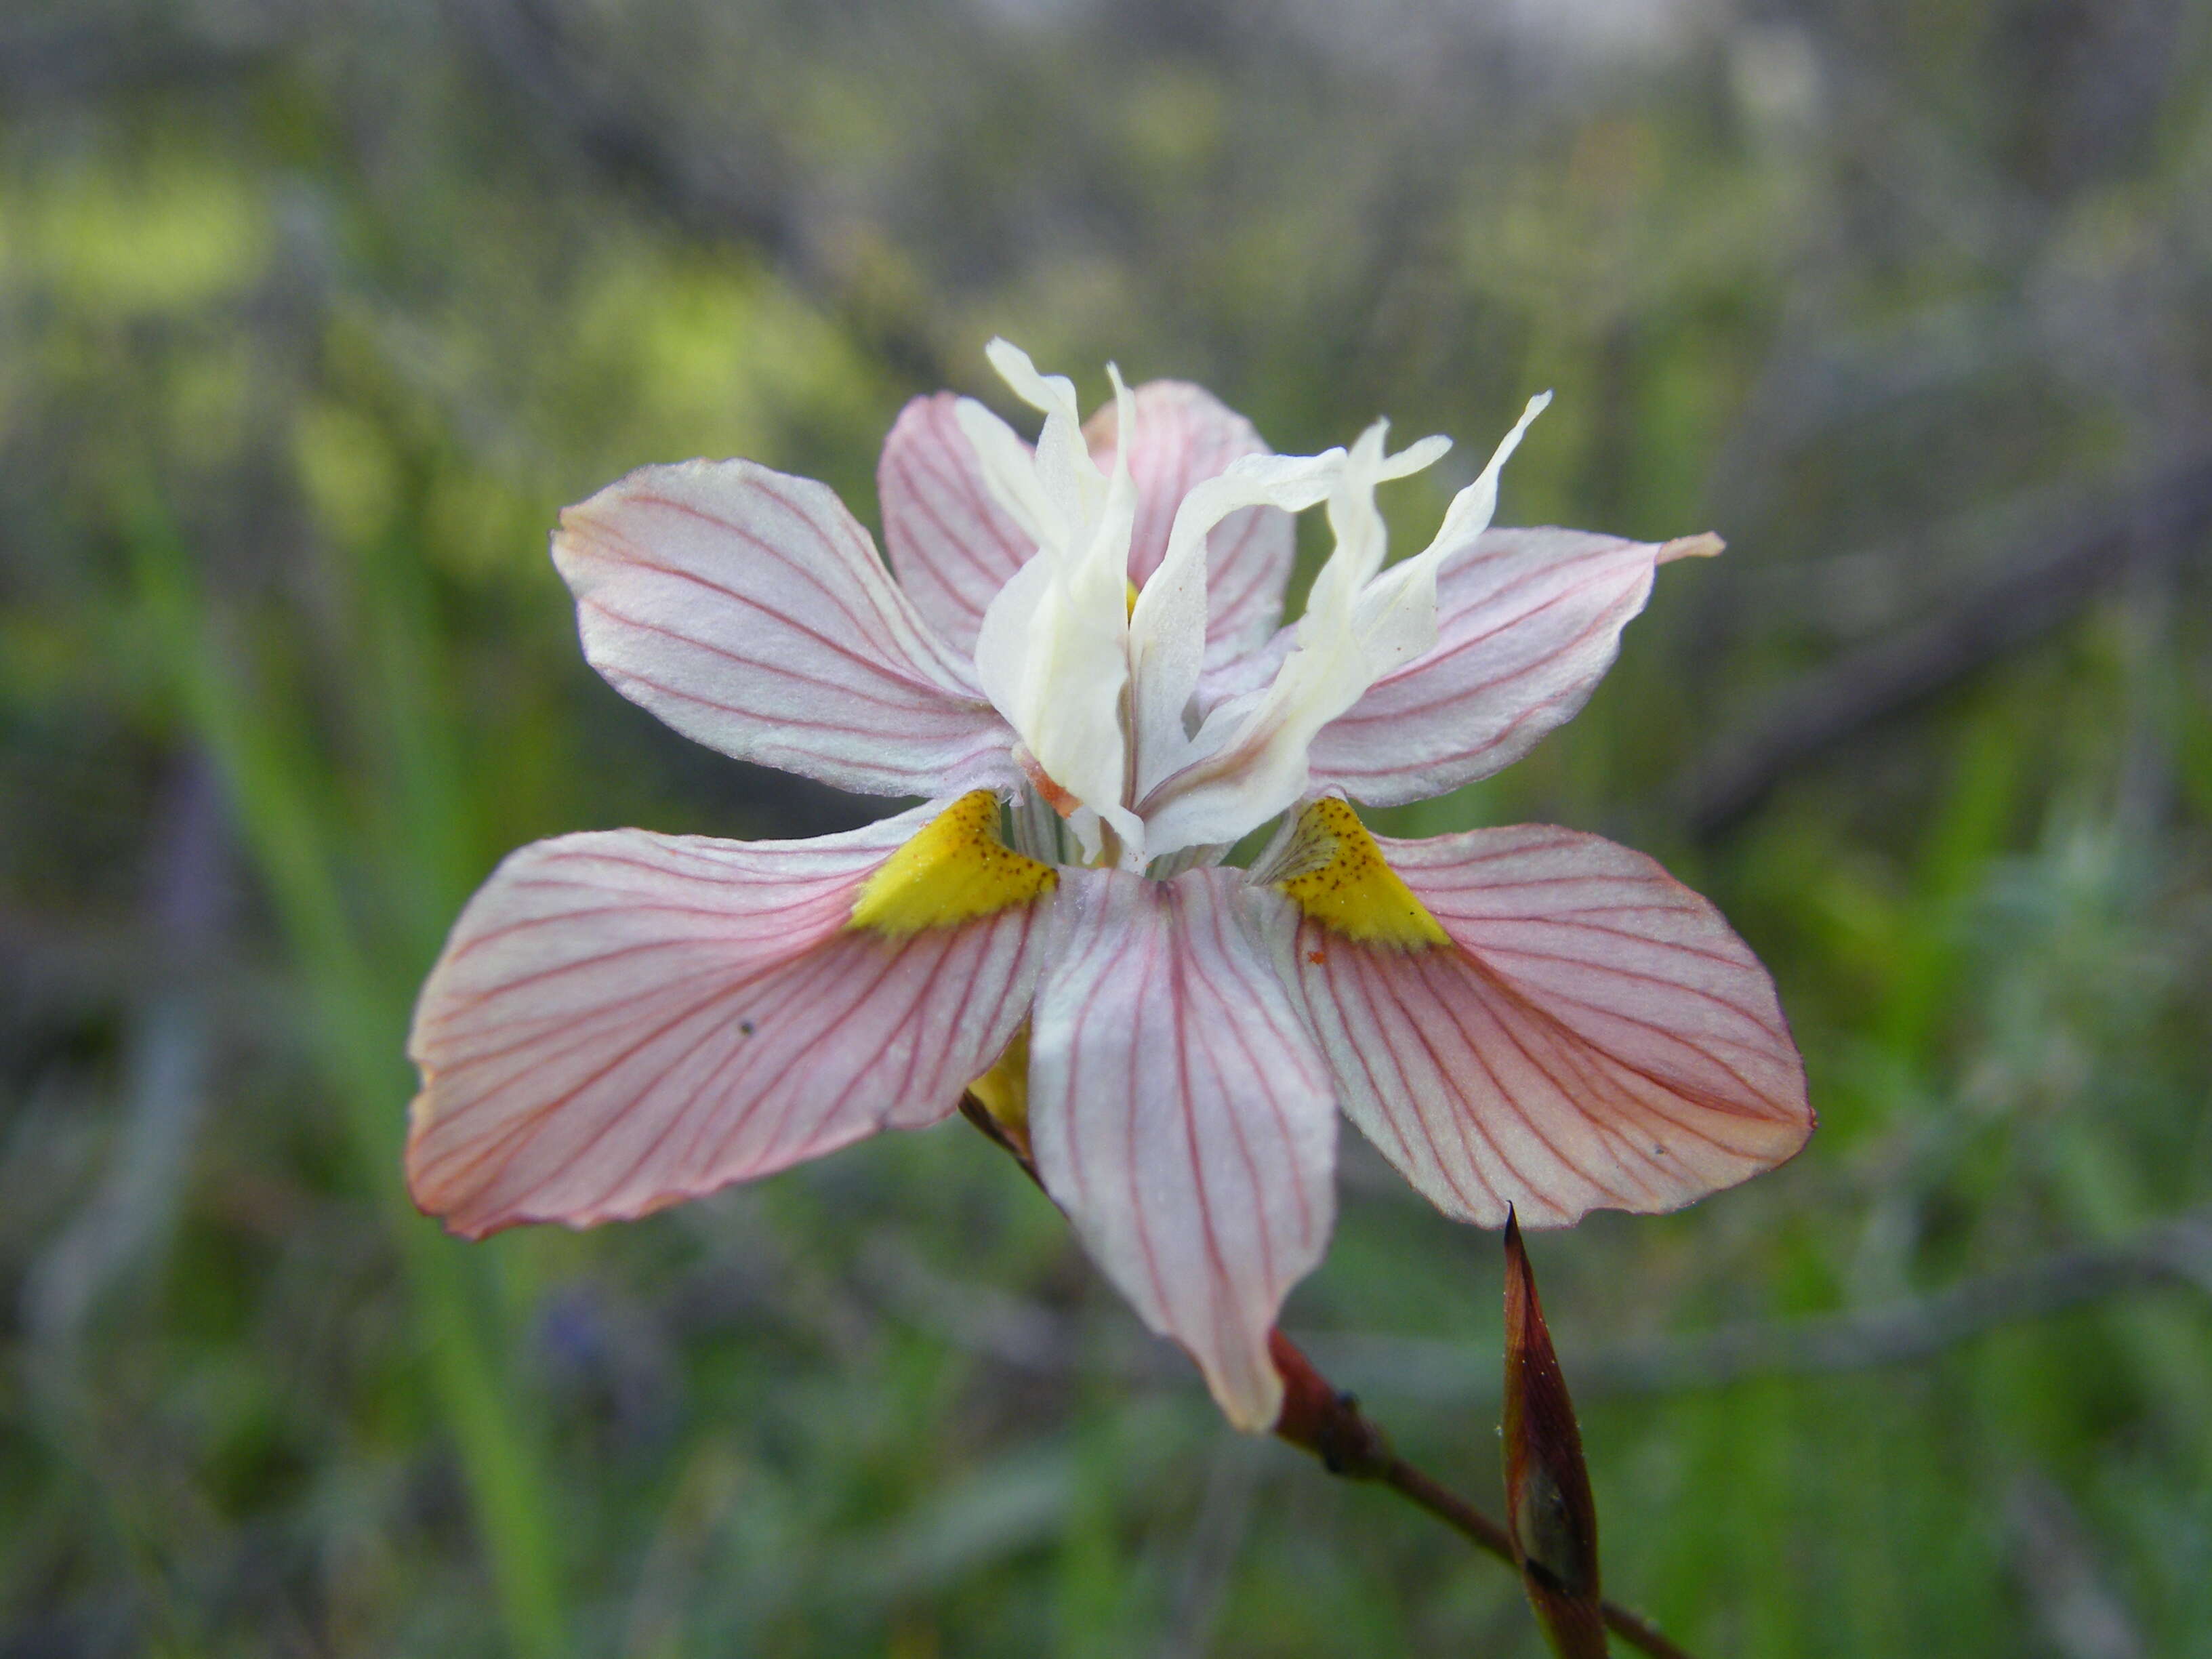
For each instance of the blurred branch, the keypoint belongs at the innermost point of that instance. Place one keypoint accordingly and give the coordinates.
(744, 194)
(1006, 1329)
(2065, 1590)
(126, 1221)
(1028, 1337)
(2176, 1252)
(2172, 1252)
(2030, 595)
(93, 56)
(1820, 377)
(1207, 1555)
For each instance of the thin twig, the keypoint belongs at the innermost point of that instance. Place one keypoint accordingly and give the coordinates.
(2031, 592)
(1323, 1420)
(2178, 1251)
(2174, 1252)
(2076, 1608)
(1328, 1423)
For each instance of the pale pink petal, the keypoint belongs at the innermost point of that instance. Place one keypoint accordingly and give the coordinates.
(1185, 435)
(1595, 1037)
(748, 610)
(1180, 1114)
(1528, 622)
(621, 1020)
(951, 545)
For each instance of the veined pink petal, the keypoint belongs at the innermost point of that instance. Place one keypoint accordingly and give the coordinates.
(951, 545)
(748, 610)
(1180, 1114)
(1528, 622)
(622, 1019)
(1596, 1037)
(1185, 435)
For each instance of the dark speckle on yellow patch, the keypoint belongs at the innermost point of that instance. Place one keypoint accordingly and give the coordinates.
(956, 870)
(1339, 879)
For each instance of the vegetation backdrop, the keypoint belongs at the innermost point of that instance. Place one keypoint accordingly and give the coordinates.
(314, 313)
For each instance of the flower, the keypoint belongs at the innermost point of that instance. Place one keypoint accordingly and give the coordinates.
(1078, 665)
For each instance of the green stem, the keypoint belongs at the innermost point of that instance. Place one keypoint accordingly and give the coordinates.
(360, 1030)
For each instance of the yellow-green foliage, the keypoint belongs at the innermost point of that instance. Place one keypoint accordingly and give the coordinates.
(311, 322)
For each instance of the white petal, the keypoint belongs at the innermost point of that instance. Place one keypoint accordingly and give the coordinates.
(1247, 759)
(1394, 615)
(1052, 652)
(1356, 523)
(1180, 1115)
(1053, 659)
(1064, 467)
(1250, 759)
(749, 611)
(1169, 625)
(1183, 435)
(1009, 470)
(1469, 514)
(1055, 489)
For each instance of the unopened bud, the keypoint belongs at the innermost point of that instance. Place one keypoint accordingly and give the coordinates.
(1548, 1507)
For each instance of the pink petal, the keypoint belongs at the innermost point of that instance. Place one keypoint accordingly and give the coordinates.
(953, 546)
(749, 611)
(621, 1020)
(1528, 622)
(1598, 1038)
(1185, 435)
(1180, 1115)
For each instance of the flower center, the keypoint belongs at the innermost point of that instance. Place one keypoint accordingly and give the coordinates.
(1098, 678)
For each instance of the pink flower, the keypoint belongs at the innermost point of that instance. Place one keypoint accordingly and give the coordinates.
(1080, 644)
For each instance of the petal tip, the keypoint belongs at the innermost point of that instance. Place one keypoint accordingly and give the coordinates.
(1705, 546)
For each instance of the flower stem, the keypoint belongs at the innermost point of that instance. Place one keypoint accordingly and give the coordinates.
(1320, 1420)
(1328, 1423)
(1456, 1512)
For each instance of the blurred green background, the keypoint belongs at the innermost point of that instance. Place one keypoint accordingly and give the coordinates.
(312, 315)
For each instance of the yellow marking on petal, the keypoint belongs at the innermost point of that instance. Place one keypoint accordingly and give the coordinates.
(1131, 610)
(1338, 879)
(956, 870)
(1004, 1089)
